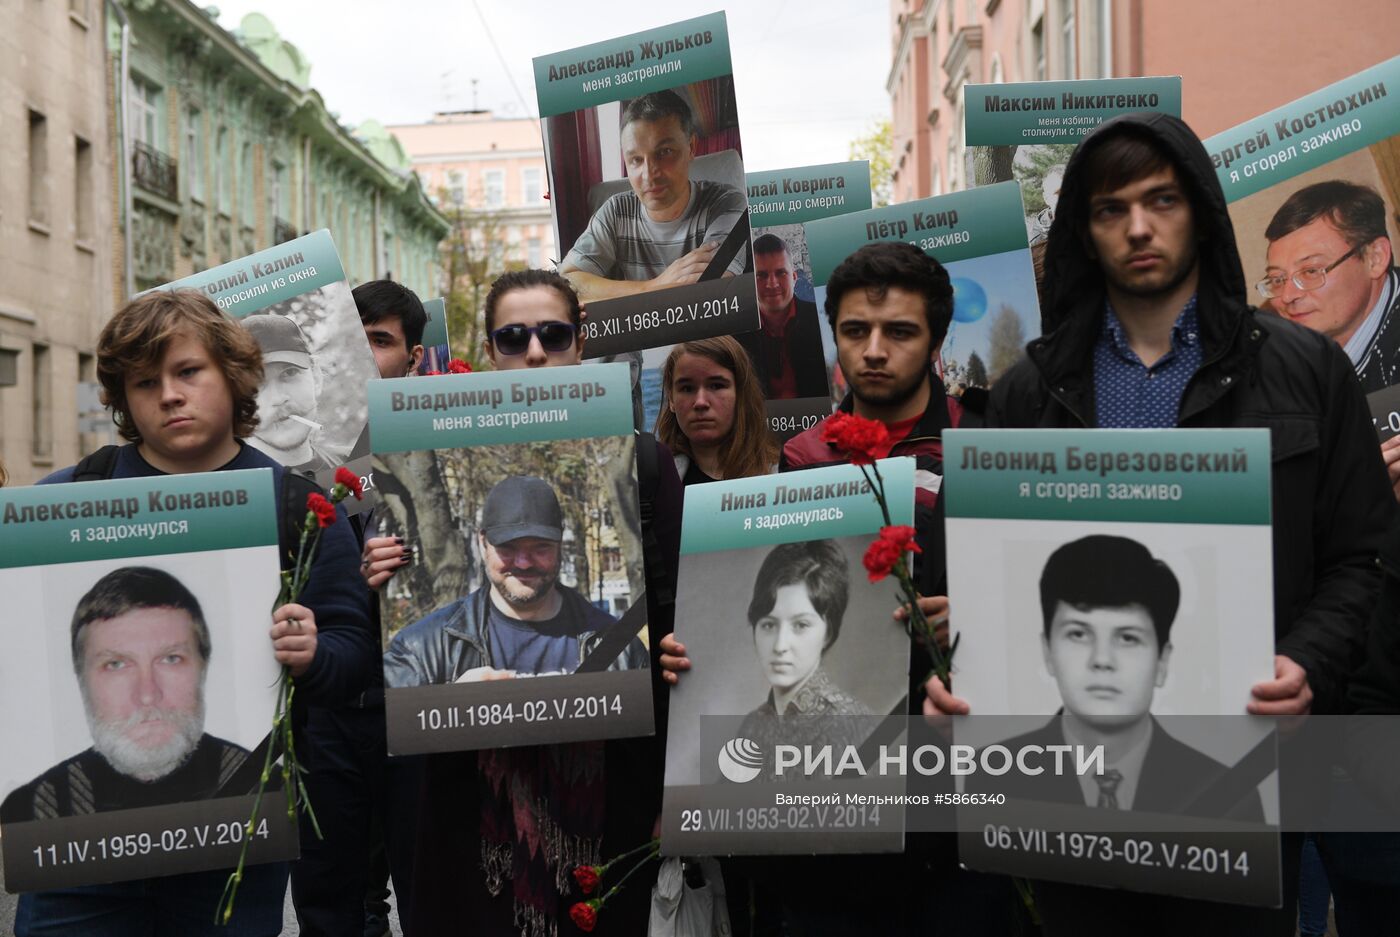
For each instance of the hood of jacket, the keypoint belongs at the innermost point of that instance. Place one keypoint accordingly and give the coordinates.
(1077, 279)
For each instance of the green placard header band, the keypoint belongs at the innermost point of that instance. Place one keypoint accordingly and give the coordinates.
(1310, 132)
(977, 222)
(244, 286)
(630, 66)
(792, 196)
(1179, 476)
(126, 517)
(793, 507)
(435, 332)
(1034, 112)
(458, 411)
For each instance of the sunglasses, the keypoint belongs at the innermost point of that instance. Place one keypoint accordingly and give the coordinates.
(515, 339)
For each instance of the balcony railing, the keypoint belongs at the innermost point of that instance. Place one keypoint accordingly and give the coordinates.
(155, 172)
(282, 231)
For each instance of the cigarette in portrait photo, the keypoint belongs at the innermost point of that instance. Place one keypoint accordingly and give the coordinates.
(304, 421)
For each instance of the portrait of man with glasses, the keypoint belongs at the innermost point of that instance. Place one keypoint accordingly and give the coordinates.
(1331, 268)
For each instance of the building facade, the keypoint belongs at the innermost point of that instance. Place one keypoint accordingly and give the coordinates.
(232, 151)
(490, 166)
(56, 251)
(1235, 60)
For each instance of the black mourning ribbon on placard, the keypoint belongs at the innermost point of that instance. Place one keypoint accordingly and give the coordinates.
(1223, 794)
(244, 779)
(728, 249)
(616, 638)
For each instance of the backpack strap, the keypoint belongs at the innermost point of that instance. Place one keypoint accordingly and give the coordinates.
(97, 466)
(648, 481)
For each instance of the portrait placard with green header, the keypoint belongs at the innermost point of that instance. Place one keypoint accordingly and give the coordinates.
(646, 183)
(794, 355)
(141, 681)
(1314, 196)
(519, 616)
(436, 350)
(795, 647)
(1107, 585)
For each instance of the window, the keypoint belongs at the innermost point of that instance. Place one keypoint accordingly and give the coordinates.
(79, 9)
(612, 560)
(279, 190)
(41, 359)
(82, 189)
(1038, 49)
(144, 111)
(388, 267)
(952, 166)
(1105, 43)
(38, 168)
(223, 181)
(245, 184)
(456, 187)
(530, 183)
(1067, 38)
(495, 183)
(194, 153)
(533, 253)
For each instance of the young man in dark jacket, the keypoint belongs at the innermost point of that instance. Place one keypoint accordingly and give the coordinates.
(181, 380)
(1146, 325)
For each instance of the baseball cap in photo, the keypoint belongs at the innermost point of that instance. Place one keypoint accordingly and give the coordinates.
(280, 339)
(521, 506)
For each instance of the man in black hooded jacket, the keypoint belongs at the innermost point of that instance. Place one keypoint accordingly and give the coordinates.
(1146, 325)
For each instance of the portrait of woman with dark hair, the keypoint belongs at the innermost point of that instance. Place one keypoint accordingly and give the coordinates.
(799, 600)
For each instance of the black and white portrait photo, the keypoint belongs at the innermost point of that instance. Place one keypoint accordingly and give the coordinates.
(1116, 634)
(312, 406)
(1108, 609)
(795, 637)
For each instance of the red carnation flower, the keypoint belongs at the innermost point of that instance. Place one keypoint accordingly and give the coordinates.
(317, 504)
(430, 373)
(587, 878)
(458, 366)
(585, 915)
(893, 543)
(351, 481)
(863, 440)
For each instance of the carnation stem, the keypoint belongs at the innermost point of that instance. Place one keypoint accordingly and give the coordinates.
(652, 844)
(653, 848)
(292, 584)
(1023, 888)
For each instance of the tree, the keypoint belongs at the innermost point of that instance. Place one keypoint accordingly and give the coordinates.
(992, 164)
(1007, 340)
(877, 146)
(474, 256)
(1032, 172)
(976, 371)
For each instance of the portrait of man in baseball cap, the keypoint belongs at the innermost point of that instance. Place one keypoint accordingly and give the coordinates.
(521, 621)
(287, 399)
